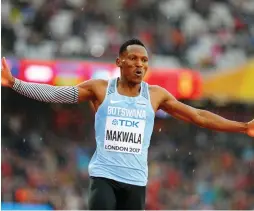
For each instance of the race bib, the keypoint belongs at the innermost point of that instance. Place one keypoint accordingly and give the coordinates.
(124, 135)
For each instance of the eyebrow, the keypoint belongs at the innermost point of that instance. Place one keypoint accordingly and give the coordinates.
(131, 54)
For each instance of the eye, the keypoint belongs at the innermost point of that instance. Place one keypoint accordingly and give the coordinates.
(144, 60)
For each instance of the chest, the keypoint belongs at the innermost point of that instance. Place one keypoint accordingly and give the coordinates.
(126, 102)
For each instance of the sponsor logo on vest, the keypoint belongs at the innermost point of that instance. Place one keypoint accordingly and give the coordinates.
(142, 103)
(116, 101)
(125, 123)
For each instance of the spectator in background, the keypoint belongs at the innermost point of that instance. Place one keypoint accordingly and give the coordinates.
(209, 171)
(205, 35)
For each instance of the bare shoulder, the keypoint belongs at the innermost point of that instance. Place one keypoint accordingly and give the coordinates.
(100, 83)
(158, 91)
(155, 88)
(159, 96)
(93, 83)
(93, 89)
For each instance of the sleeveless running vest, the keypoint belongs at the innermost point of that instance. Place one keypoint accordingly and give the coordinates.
(123, 128)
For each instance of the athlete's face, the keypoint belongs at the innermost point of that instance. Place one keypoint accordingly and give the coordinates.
(133, 63)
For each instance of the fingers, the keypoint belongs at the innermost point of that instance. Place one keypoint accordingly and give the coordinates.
(4, 63)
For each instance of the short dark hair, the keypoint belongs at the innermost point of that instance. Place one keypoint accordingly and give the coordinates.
(133, 41)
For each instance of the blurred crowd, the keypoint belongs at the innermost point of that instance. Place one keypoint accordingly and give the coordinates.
(201, 34)
(46, 151)
(46, 148)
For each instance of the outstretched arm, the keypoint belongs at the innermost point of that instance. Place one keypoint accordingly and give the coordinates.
(45, 92)
(202, 118)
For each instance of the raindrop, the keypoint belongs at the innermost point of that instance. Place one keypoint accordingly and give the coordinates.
(41, 138)
(176, 150)
(24, 140)
(82, 8)
(193, 170)
(190, 153)
(119, 16)
(160, 130)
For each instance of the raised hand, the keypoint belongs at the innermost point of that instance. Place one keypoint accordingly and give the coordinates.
(250, 130)
(7, 80)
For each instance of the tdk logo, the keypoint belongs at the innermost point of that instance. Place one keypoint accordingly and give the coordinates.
(126, 123)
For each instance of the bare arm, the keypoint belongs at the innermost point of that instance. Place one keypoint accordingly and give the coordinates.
(200, 117)
(87, 89)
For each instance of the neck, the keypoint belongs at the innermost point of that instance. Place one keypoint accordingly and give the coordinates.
(128, 87)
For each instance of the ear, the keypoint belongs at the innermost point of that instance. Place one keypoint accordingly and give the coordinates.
(118, 62)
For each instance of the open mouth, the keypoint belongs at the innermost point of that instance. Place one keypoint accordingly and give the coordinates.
(138, 72)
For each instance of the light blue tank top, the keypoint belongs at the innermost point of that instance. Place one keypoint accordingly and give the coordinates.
(123, 129)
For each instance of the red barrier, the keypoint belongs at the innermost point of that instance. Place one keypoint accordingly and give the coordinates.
(182, 83)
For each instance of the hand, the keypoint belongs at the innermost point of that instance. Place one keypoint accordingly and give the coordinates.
(7, 80)
(250, 130)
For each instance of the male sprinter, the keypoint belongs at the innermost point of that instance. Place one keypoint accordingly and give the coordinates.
(124, 120)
